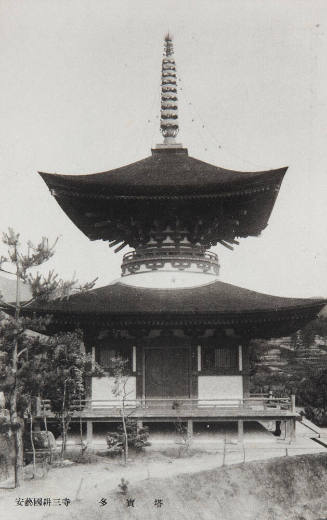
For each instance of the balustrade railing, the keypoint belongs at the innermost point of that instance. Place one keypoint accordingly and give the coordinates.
(174, 406)
(158, 252)
(152, 259)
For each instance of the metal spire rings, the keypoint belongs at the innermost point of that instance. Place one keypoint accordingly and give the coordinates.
(169, 109)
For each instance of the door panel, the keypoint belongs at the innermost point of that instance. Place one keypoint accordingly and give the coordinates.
(167, 373)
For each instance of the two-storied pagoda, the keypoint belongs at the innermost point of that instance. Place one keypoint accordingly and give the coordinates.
(184, 333)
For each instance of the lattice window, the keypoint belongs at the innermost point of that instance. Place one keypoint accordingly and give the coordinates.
(108, 355)
(219, 359)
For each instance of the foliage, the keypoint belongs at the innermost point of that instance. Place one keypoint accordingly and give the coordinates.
(297, 358)
(313, 394)
(254, 357)
(65, 382)
(137, 437)
(317, 415)
(15, 343)
(23, 354)
(67, 369)
(22, 261)
(305, 337)
(303, 372)
(29, 376)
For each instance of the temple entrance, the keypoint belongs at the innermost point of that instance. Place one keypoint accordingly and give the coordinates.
(167, 373)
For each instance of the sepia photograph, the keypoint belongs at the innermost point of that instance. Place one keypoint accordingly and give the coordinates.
(163, 260)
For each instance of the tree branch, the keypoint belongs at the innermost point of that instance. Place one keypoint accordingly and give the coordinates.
(8, 272)
(7, 304)
(26, 304)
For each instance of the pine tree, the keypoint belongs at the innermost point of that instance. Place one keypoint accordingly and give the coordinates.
(17, 345)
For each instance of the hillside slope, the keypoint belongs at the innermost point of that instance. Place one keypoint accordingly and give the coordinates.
(292, 488)
(284, 488)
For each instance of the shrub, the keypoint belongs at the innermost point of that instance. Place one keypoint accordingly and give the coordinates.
(316, 415)
(313, 395)
(137, 438)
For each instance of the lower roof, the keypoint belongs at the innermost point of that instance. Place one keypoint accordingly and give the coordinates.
(215, 299)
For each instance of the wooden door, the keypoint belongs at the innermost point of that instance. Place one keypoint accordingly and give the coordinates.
(167, 373)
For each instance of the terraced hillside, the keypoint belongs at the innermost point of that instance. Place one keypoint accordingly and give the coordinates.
(286, 361)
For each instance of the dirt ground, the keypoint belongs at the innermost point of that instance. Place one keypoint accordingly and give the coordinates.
(190, 487)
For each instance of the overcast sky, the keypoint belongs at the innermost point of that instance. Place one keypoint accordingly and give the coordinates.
(80, 94)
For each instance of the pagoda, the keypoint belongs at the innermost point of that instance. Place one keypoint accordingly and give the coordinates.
(184, 333)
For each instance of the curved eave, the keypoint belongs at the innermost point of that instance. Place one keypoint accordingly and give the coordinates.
(120, 194)
(243, 316)
(166, 183)
(215, 304)
(263, 324)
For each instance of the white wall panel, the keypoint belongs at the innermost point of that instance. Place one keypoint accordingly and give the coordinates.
(102, 390)
(221, 387)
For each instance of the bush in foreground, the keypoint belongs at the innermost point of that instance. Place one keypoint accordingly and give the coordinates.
(137, 438)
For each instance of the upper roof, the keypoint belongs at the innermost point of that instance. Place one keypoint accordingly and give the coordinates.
(168, 172)
(122, 204)
(168, 189)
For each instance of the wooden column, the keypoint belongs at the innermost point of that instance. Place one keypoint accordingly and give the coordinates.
(143, 376)
(290, 426)
(199, 360)
(293, 403)
(89, 432)
(93, 357)
(240, 431)
(190, 428)
(244, 368)
(139, 371)
(287, 430)
(195, 368)
(139, 424)
(134, 365)
(293, 430)
(240, 358)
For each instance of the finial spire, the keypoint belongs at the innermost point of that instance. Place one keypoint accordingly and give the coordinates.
(169, 109)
